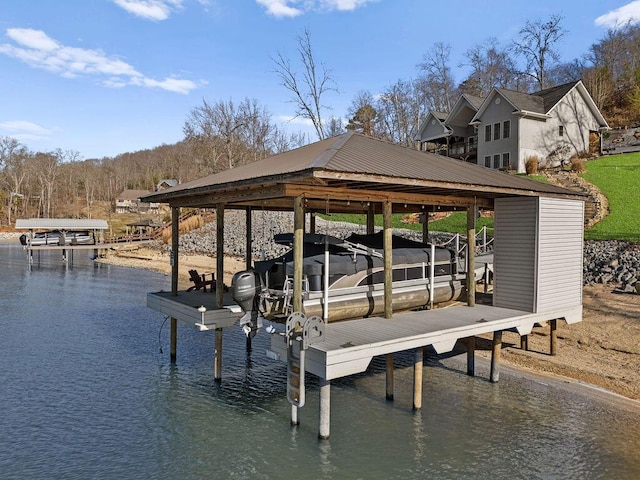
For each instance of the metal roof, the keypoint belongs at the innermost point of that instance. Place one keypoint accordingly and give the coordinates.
(60, 224)
(353, 166)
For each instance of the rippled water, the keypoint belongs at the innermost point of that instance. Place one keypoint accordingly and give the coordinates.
(86, 393)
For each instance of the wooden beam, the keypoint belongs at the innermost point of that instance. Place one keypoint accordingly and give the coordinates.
(249, 244)
(217, 357)
(388, 260)
(298, 235)
(220, 255)
(494, 375)
(471, 255)
(417, 378)
(175, 231)
(389, 376)
(553, 337)
(471, 356)
(376, 196)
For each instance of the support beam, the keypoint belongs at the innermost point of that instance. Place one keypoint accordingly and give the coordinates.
(389, 377)
(471, 356)
(312, 223)
(495, 356)
(249, 244)
(524, 342)
(425, 227)
(325, 409)
(295, 419)
(217, 357)
(175, 220)
(371, 220)
(553, 337)
(298, 237)
(471, 256)
(388, 260)
(417, 378)
(219, 256)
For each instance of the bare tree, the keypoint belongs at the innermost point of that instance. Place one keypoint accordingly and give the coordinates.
(492, 66)
(400, 108)
(309, 87)
(437, 81)
(537, 44)
(362, 115)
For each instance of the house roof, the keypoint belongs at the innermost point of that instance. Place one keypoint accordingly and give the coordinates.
(132, 194)
(350, 168)
(60, 224)
(439, 117)
(541, 103)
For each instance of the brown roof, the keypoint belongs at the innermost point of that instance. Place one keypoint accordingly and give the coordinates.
(350, 162)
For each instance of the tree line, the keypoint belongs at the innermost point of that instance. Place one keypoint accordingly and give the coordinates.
(222, 134)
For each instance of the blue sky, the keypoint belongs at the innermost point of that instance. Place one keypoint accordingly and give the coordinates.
(103, 77)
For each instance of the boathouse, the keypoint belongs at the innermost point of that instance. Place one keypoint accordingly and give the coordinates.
(537, 262)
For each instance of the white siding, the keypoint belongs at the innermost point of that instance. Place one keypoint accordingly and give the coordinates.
(515, 253)
(538, 253)
(560, 244)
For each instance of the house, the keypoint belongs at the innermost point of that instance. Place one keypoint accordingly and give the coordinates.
(166, 183)
(452, 134)
(508, 127)
(128, 201)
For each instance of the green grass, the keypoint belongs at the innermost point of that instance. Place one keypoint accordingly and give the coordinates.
(618, 177)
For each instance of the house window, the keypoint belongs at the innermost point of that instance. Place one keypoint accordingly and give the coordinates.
(487, 161)
(506, 129)
(496, 131)
(496, 160)
(506, 160)
(561, 130)
(487, 133)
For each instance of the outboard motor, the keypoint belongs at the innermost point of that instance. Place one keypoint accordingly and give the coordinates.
(23, 240)
(245, 290)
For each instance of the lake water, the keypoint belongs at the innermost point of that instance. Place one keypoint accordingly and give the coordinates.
(85, 392)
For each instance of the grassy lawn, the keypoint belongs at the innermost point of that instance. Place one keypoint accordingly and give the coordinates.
(618, 177)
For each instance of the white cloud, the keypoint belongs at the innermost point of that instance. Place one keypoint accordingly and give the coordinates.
(280, 8)
(150, 9)
(23, 130)
(629, 13)
(294, 8)
(37, 49)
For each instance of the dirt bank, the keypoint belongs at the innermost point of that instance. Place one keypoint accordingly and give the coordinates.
(602, 350)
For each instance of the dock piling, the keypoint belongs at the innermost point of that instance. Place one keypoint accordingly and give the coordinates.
(495, 356)
(553, 337)
(471, 356)
(325, 409)
(417, 378)
(389, 377)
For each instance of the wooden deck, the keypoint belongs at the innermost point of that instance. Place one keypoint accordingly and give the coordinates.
(349, 346)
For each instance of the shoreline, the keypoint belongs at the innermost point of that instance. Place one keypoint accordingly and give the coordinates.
(602, 351)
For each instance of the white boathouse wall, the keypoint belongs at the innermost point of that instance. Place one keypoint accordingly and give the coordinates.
(538, 253)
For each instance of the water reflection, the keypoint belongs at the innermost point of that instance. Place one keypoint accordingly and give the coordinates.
(87, 394)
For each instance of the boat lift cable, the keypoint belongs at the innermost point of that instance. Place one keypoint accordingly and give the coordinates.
(160, 331)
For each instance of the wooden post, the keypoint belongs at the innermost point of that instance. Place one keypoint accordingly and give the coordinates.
(249, 229)
(471, 255)
(220, 256)
(524, 342)
(175, 232)
(325, 409)
(312, 223)
(298, 237)
(553, 340)
(425, 227)
(388, 260)
(389, 377)
(471, 356)
(417, 379)
(371, 220)
(495, 356)
(217, 357)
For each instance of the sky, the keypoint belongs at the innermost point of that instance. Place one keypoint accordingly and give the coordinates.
(105, 77)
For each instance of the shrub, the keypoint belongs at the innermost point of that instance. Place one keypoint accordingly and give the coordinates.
(577, 164)
(531, 165)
